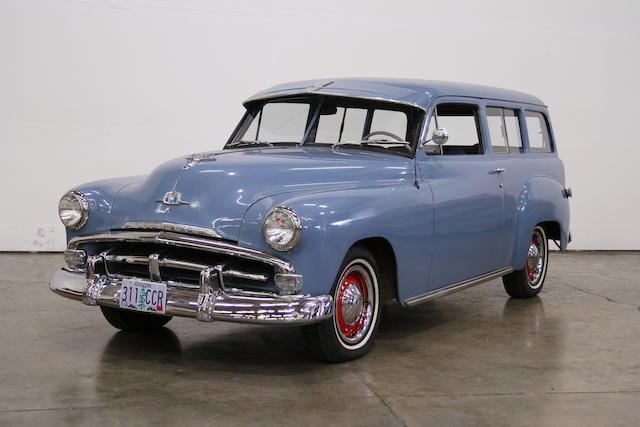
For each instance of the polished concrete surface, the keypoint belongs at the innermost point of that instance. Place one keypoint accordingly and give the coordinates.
(568, 358)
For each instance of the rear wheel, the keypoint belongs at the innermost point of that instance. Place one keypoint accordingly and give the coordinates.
(528, 281)
(349, 334)
(132, 321)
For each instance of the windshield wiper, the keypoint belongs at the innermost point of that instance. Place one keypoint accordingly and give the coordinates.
(268, 144)
(337, 144)
(367, 142)
(249, 143)
(385, 142)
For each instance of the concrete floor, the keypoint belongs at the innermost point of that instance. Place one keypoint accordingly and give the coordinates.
(568, 358)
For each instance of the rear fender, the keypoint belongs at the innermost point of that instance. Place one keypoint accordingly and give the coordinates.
(542, 199)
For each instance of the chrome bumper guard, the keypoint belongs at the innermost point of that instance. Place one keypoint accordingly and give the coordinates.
(208, 302)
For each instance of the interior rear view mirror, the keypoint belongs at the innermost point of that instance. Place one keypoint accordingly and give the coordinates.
(328, 111)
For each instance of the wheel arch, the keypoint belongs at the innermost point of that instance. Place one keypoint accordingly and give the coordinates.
(541, 202)
(552, 229)
(384, 255)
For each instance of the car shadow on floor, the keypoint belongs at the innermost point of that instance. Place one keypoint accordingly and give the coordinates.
(283, 350)
(250, 346)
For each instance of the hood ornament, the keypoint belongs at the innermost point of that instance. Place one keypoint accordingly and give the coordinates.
(197, 158)
(173, 198)
(317, 86)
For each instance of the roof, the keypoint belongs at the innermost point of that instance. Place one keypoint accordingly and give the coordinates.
(414, 92)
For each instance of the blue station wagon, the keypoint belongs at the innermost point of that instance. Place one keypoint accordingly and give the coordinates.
(330, 198)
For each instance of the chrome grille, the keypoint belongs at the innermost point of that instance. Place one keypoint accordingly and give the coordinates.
(154, 266)
(179, 259)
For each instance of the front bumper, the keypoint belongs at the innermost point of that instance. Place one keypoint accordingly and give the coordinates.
(203, 304)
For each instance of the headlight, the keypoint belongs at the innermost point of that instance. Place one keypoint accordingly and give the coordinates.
(281, 228)
(73, 210)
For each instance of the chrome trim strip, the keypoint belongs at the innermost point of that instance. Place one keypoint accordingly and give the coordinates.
(206, 303)
(171, 226)
(244, 275)
(154, 267)
(285, 94)
(181, 240)
(440, 292)
(185, 265)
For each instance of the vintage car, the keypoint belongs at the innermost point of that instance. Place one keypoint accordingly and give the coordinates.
(329, 199)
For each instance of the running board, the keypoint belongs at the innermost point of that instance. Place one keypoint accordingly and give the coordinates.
(440, 292)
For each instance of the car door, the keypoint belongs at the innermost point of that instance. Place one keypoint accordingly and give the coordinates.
(467, 193)
(505, 135)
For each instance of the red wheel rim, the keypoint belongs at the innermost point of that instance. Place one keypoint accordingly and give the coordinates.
(351, 329)
(536, 258)
(530, 272)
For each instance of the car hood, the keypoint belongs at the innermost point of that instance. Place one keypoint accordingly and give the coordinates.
(217, 189)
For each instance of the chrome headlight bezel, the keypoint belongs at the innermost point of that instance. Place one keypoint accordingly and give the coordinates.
(83, 209)
(296, 228)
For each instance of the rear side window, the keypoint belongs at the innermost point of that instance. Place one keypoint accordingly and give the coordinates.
(461, 121)
(538, 131)
(512, 123)
(504, 130)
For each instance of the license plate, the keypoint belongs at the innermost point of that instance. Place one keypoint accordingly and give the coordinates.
(143, 296)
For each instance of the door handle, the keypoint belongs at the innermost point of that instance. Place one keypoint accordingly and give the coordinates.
(498, 170)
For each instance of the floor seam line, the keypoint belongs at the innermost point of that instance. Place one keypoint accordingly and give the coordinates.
(602, 296)
(62, 408)
(381, 398)
(542, 393)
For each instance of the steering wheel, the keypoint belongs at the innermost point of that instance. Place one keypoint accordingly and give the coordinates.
(382, 132)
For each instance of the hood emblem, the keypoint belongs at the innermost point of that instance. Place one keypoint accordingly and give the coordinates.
(173, 198)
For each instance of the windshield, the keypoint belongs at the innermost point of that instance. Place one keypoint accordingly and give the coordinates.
(279, 122)
(330, 120)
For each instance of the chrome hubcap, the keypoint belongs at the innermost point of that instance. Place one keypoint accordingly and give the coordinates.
(535, 259)
(354, 304)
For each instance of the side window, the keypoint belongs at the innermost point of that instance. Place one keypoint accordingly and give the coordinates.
(538, 131)
(461, 121)
(514, 135)
(497, 130)
(504, 130)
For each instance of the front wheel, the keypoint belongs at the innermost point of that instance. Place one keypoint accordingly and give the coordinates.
(528, 281)
(350, 332)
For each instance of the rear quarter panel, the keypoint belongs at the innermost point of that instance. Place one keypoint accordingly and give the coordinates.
(540, 199)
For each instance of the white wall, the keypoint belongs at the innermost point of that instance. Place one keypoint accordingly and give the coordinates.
(92, 89)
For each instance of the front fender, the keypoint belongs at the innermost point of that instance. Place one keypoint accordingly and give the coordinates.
(542, 199)
(100, 196)
(333, 221)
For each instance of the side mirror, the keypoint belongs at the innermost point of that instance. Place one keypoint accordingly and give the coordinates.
(440, 136)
